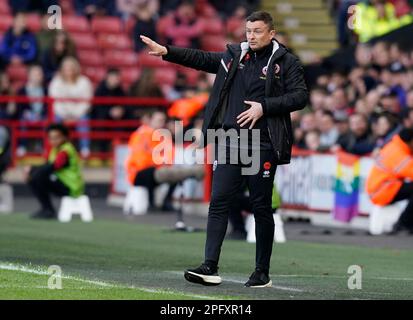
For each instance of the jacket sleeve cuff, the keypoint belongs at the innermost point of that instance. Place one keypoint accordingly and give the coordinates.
(264, 107)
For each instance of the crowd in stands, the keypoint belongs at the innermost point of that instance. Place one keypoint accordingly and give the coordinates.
(360, 109)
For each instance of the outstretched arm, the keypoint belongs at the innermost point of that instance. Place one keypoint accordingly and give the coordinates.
(192, 58)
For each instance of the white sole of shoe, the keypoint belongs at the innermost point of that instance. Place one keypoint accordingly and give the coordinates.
(267, 285)
(207, 279)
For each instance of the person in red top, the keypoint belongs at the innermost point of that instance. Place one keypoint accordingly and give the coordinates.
(391, 178)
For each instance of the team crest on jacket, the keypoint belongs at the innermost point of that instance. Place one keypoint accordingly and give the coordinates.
(264, 73)
(277, 68)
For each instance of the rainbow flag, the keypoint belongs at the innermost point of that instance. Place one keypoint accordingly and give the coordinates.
(347, 187)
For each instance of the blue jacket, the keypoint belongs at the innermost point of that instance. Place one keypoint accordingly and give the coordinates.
(24, 46)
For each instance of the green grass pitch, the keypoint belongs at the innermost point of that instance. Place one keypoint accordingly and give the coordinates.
(113, 259)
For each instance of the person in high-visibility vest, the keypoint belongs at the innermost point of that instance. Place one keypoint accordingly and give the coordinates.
(391, 178)
(61, 175)
(147, 165)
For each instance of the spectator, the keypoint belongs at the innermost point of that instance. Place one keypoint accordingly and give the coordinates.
(385, 128)
(358, 140)
(45, 36)
(8, 110)
(312, 140)
(236, 24)
(109, 87)
(68, 83)
(61, 48)
(61, 175)
(184, 28)
(36, 110)
(18, 44)
(126, 8)
(145, 86)
(317, 98)
(90, 8)
(328, 129)
(145, 24)
(30, 5)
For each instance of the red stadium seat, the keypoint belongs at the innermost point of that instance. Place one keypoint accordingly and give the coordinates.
(67, 7)
(17, 72)
(5, 23)
(117, 58)
(76, 24)
(106, 25)
(165, 76)
(4, 8)
(146, 60)
(90, 57)
(34, 22)
(213, 43)
(191, 75)
(95, 74)
(213, 26)
(84, 40)
(114, 41)
(129, 25)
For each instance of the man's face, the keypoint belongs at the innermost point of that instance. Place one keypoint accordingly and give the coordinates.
(56, 138)
(358, 125)
(258, 34)
(158, 120)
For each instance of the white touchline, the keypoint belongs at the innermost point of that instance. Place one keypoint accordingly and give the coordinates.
(41, 271)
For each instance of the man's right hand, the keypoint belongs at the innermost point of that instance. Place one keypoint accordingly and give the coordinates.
(155, 48)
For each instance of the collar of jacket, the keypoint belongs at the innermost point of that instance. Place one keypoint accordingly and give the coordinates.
(277, 50)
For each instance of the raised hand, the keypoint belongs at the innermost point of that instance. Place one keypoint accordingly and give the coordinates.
(155, 48)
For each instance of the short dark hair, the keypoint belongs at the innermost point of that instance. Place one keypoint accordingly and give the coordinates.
(406, 134)
(262, 16)
(58, 127)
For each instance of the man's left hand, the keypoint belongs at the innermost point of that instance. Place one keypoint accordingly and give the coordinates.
(251, 115)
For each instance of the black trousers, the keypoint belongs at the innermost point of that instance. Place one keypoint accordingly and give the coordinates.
(43, 183)
(226, 182)
(406, 193)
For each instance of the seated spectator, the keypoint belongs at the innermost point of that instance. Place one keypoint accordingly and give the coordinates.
(312, 140)
(109, 87)
(387, 125)
(30, 5)
(148, 169)
(45, 36)
(127, 8)
(18, 44)
(358, 140)
(8, 110)
(61, 175)
(185, 28)
(36, 110)
(145, 24)
(328, 129)
(68, 83)
(236, 24)
(4, 150)
(90, 8)
(61, 48)
(145, 86)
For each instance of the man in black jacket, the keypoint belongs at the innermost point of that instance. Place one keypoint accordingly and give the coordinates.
(258, 84)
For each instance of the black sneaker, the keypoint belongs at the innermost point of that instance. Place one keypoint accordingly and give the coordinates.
(400, 228)
(259, 279)
(203, 275)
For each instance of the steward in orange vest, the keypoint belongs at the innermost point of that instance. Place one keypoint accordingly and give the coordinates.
(390, 179)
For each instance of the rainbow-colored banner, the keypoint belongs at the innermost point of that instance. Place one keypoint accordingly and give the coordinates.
(346, 187)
